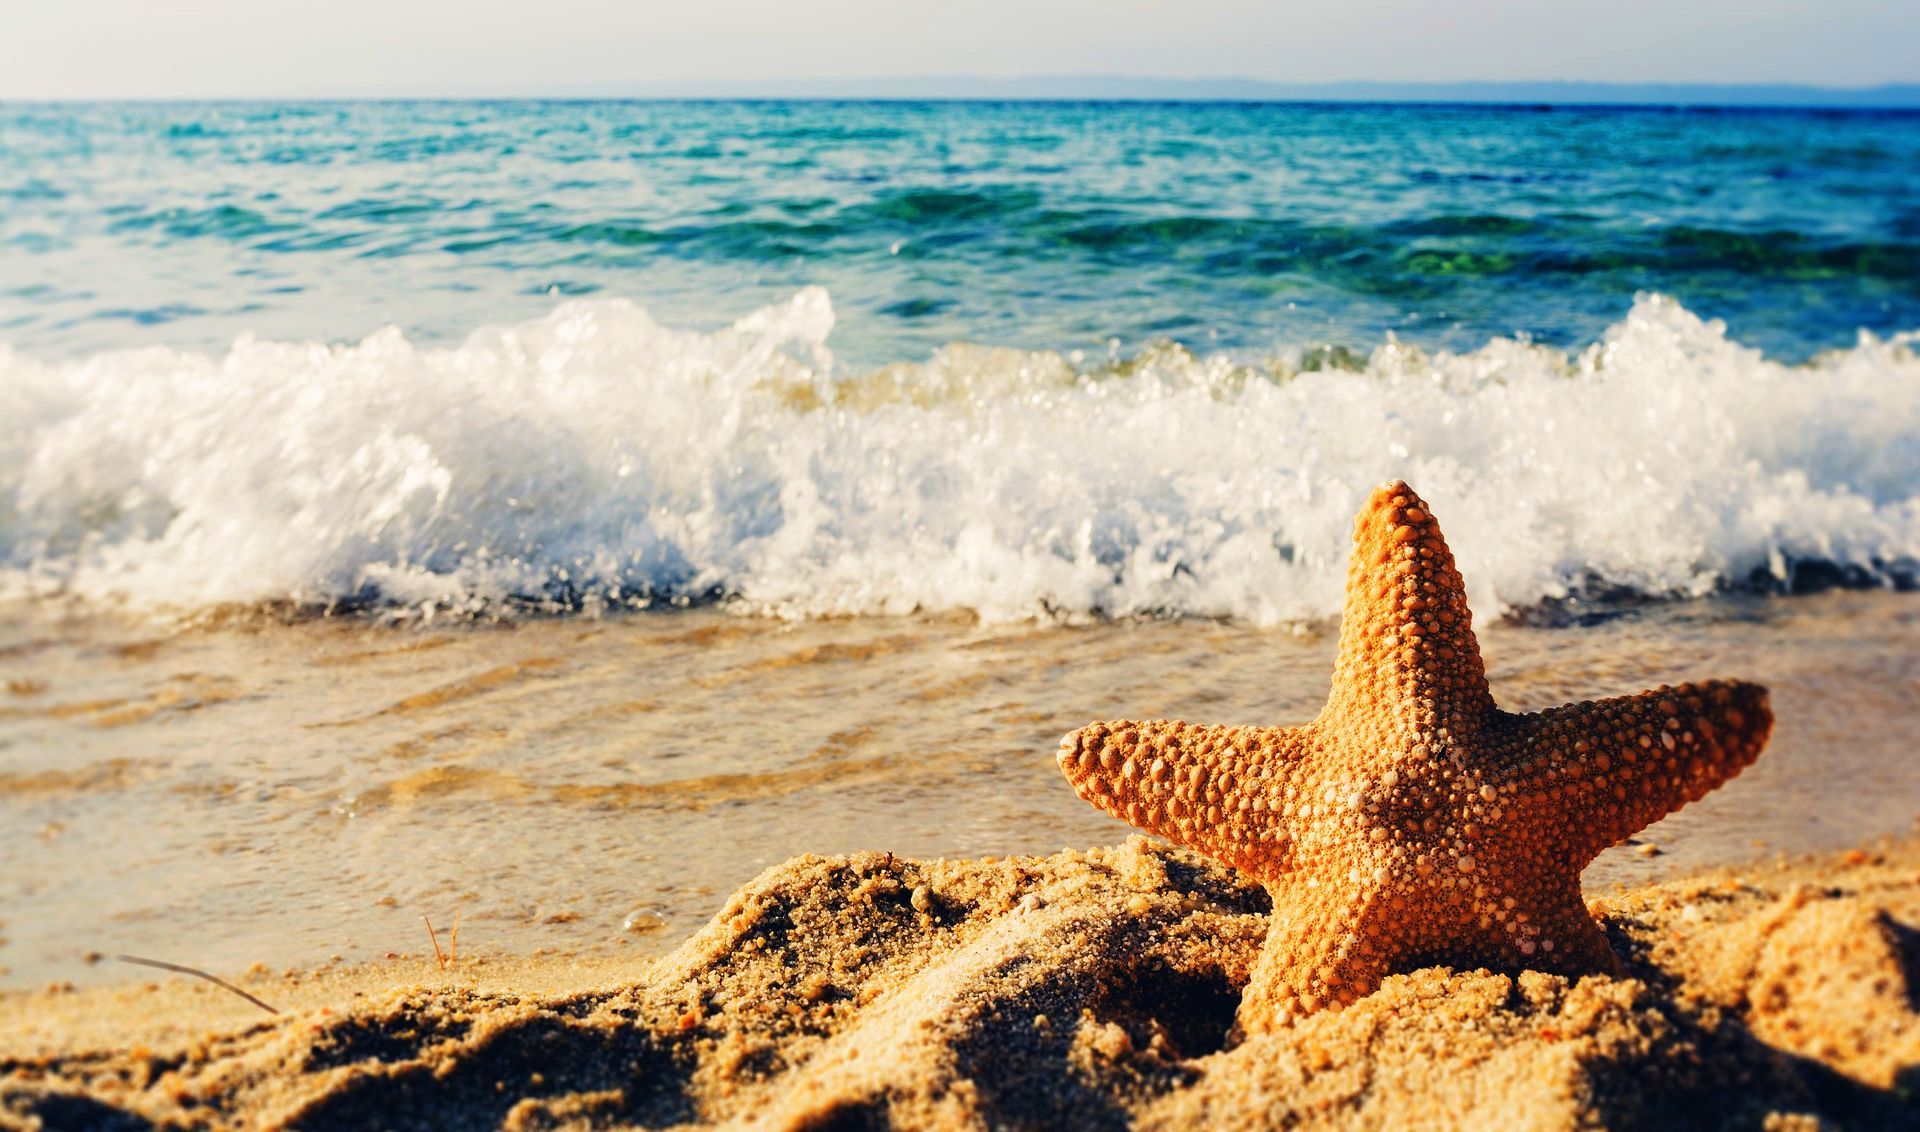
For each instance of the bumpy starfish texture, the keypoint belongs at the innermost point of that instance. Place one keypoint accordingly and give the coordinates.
(1413, 823)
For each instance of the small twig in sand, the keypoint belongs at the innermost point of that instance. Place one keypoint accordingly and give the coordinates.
(453, 942)
(198, 974)
(439, 956)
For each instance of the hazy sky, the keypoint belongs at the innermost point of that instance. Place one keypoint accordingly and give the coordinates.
(201, 48)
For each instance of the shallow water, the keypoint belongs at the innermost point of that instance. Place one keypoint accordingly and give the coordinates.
(281, 793)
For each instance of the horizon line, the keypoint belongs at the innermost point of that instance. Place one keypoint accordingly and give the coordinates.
(1140, 88)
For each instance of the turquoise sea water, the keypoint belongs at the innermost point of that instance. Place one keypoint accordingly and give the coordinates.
(1033, 225)
(835, 358)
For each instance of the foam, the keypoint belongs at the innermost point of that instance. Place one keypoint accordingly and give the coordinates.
(595, 457)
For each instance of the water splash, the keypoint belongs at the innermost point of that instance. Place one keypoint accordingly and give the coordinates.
(594, 457)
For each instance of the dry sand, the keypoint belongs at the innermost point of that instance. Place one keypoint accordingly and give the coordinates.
(1081, 990)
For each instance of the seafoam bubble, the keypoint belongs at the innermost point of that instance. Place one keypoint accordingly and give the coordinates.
(643, 920)
(595, 457)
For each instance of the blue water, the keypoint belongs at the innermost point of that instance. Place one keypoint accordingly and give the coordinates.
(1019, 359)
(1068, 226)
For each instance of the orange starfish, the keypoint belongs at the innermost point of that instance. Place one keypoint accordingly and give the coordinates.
(1412, 822)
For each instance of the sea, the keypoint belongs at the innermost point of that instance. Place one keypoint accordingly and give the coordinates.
(556, 512)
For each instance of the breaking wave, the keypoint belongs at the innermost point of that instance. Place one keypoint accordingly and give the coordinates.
(594, 458)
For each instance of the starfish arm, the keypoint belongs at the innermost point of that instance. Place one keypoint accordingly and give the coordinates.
(1604, 770)
(1318, 954)
(1409, 664)
(1215, 789)
(1565, 938)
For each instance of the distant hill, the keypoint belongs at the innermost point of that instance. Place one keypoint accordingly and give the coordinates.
(1902, 96)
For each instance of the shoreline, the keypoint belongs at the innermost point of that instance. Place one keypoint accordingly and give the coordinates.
(879, 990)
(324, 784)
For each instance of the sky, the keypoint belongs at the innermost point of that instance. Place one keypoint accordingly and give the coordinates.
(456, 48)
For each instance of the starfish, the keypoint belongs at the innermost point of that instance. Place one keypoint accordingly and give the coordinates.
(1412, 823)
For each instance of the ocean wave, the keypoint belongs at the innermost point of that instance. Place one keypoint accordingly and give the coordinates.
(594, 458)
(1408, 255)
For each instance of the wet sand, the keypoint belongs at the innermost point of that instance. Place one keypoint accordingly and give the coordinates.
(1079, 990)
(281, 793)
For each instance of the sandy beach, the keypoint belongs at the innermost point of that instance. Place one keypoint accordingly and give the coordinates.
(662, 545)
(1085, 989)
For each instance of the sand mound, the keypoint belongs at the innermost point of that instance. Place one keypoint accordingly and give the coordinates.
(1085, 990)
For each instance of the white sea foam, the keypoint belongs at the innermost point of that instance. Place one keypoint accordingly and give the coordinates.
(594, 456)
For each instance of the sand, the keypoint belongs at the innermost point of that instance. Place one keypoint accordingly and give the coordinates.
(1086, 989)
